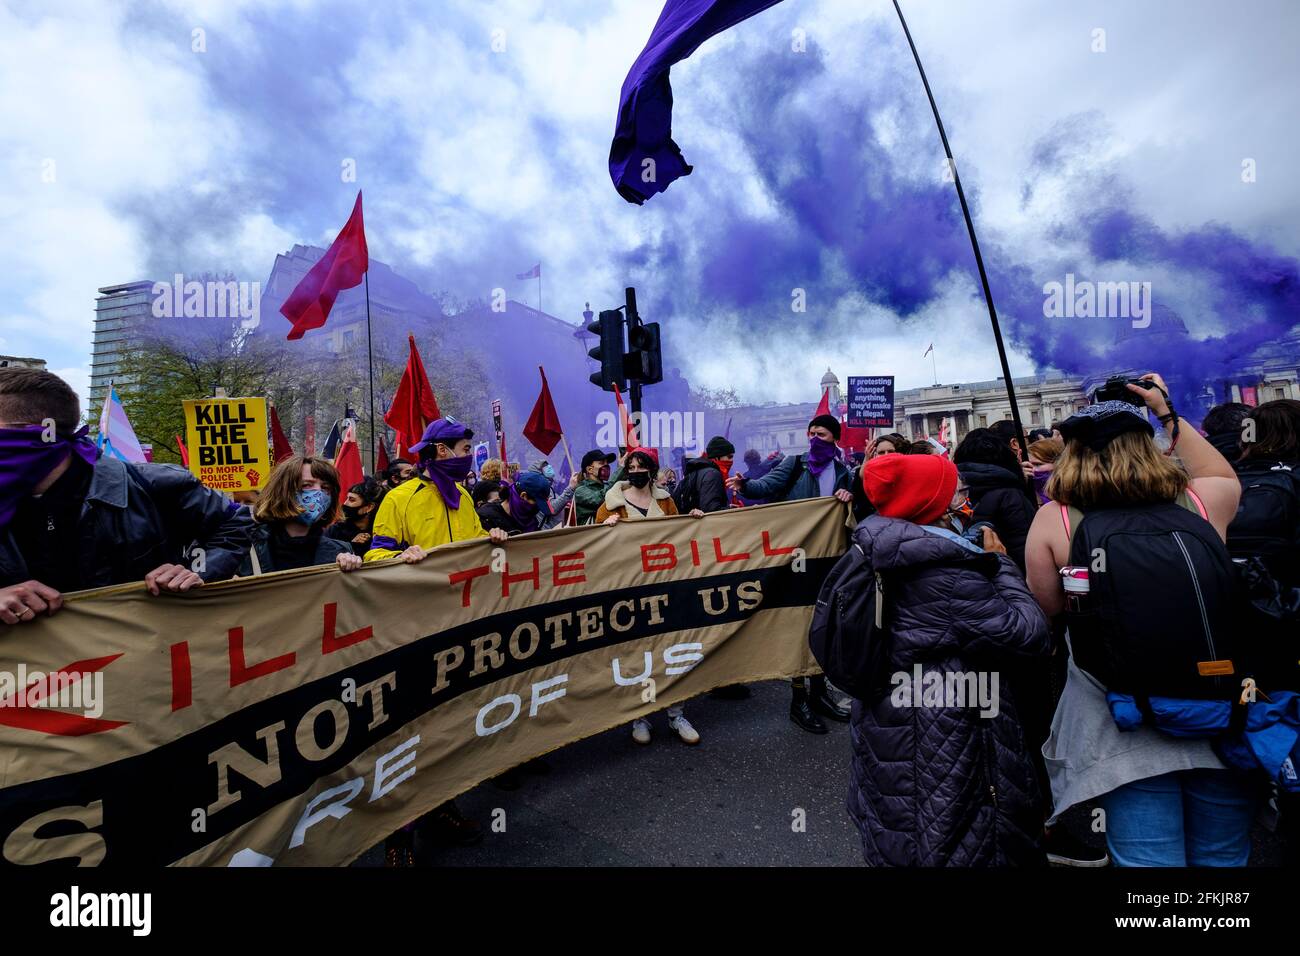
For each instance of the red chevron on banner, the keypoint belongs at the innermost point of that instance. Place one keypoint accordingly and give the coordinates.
(25, 716)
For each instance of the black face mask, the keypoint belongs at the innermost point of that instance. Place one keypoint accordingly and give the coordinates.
(638, 479)
(351, 513)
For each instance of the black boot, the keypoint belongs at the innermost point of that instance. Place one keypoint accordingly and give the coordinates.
(802, 714)
(399, 849)
(444, 826)
(821, 701)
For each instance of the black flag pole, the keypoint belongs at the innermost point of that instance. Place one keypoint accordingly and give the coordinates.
(370, 360)
(970, 227)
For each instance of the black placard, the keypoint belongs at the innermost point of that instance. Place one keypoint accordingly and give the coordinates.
(871, 401)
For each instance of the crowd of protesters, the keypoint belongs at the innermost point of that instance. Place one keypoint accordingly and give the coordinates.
(981, 548)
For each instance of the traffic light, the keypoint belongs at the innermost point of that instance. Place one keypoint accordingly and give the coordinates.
(609, 353)
(644, 361)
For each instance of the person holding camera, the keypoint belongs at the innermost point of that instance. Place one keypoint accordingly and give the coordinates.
(1133, 609)
(938, 778)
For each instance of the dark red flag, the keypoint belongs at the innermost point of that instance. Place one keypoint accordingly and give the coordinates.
(824, 406)
(543, 428)
(630, 439)
(185, 452)
(343, 266)
(348, 462)
(280, 447)
(381, 459)
(414, 405)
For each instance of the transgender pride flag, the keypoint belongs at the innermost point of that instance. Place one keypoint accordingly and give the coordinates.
(116, 436)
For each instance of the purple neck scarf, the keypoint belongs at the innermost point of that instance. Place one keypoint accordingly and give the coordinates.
(820, 454)
(525, 514)
(25, 460)
(444, 474)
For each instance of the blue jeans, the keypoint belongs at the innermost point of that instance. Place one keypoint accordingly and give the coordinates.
(1185, 818)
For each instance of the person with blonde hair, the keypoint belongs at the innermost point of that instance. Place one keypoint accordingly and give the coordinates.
(300, 501)
(1134, 615)
(491, 470)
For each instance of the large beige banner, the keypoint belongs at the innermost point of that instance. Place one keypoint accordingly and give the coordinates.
(298, 718)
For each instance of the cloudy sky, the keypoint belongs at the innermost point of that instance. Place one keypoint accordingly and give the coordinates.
(1102, 138)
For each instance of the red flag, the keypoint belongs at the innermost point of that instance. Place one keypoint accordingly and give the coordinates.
(853, 438)
(381, 460)
(348, 462)
(280, 447)
(824, 407)
(342, 267)
(185, 452)
(629, 427)
(414, 405)
(543, 428)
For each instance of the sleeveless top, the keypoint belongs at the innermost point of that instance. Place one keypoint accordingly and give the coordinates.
(1086, 754)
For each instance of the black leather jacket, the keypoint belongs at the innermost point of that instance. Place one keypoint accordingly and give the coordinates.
(139, 516)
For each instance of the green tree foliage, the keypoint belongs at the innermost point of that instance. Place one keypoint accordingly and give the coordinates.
(303, 378)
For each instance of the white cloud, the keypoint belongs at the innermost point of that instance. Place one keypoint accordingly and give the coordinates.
(472, 160)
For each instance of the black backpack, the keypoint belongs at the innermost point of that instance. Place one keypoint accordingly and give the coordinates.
(1267, 515)
(686, 496)
(848, 635)
(1160, 616)
(1262, 540)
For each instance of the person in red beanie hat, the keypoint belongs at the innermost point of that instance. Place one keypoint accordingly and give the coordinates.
(941, 773)
(917, 488)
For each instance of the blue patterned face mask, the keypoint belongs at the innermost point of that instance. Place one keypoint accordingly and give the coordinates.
(313, 502)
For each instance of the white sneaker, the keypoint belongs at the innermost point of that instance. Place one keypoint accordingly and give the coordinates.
(641, 731)
(684, 730)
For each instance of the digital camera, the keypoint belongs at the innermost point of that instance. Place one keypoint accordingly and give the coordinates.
(1114, 391)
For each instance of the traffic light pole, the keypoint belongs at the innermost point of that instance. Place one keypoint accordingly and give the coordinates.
(634, 387)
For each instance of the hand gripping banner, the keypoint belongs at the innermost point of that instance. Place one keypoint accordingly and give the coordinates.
(298, 718)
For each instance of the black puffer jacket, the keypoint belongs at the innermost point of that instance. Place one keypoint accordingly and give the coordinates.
(139, 516)
(1002, 497)
(940, 785)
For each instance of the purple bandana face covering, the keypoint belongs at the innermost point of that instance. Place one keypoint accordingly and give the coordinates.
(25, 459)
(444, 475)
(1040, 483)
(820, 454)
(521, 510)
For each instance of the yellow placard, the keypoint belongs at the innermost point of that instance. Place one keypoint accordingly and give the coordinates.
(227, 442)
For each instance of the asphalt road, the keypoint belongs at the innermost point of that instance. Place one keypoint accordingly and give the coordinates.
(730, 801)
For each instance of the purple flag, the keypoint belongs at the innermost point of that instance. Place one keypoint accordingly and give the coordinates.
(643, 159)
(562, 476)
